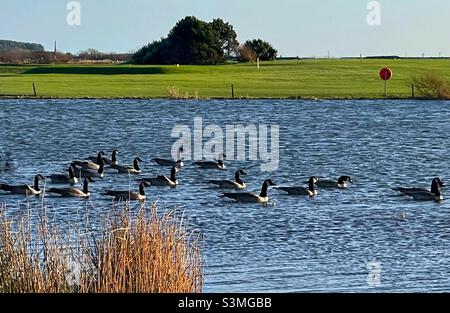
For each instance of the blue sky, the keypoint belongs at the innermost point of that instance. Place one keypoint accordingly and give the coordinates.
(294, 27)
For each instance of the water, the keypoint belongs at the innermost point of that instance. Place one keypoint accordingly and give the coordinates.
(294, 243)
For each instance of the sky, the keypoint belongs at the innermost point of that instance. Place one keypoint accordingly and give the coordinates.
(306, 28)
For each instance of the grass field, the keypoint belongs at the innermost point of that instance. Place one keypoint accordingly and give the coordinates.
(277, 79)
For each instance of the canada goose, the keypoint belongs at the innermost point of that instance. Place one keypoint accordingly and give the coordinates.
(64, 179)
(342, 182)
(165, 162)
(212, 164)
(84, 172)
(113, 160)
(128, 195)
(236, 184)
(132, 169)
(422, 193)
(302, 191)
(73, 192)
(24, 189)
(90, 165)
(263, 197)
(162, 180)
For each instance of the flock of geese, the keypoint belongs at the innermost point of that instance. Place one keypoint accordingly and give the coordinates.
(86, 171)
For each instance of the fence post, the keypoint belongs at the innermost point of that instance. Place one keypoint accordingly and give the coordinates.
(232, 91)
(34, 90)
(412, 91)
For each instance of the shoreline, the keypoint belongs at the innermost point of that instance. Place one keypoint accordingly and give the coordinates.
(396, 98)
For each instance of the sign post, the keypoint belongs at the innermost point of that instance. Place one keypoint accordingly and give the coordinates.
(385, 74)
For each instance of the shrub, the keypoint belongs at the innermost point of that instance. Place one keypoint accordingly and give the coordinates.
(263, 50)
(431, 85)
(246, 54)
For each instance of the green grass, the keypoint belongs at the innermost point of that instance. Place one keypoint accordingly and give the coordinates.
(278, 79)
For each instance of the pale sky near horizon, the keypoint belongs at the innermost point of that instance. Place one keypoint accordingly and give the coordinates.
(304, 28)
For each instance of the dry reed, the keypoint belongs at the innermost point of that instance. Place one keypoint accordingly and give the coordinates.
(141, 252)
(175, 93)
(432, 86)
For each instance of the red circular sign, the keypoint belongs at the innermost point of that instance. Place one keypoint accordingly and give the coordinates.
(386, 73)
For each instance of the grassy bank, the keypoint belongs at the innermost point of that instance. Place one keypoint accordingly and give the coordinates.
(146, 252)
(278, 79)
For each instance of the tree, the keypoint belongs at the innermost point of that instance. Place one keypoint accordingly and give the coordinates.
(90, 54)
(246, 54)
(191, 41)
(264, 50)
(7, 45)
(157, 52)
(195, 42)
(227, 36)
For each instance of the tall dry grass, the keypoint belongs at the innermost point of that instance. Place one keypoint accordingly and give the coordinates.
(174, 92)
(432, 86)
(141, 252)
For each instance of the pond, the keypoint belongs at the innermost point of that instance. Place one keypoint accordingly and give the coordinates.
(337, 241)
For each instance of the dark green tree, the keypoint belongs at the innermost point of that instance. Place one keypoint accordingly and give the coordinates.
(191, 41)
(227, 36)
(195, 42)
(264, 50)
(7, 45)
(157, 52)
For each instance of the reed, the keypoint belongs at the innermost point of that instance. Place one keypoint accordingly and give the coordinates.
(174, 92)
(431, 85)
(130, 252)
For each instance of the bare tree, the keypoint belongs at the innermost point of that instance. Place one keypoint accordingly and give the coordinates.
(246, 54)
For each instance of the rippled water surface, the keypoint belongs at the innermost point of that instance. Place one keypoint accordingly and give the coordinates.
(294, 243)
